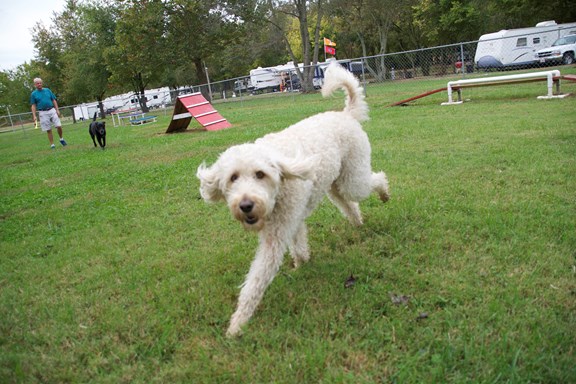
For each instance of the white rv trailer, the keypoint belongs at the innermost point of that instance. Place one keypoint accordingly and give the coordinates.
(265, 78)
(155, 98)
(271, 77)
(516, 47)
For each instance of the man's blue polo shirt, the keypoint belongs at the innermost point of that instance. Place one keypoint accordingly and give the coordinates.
(42, 99)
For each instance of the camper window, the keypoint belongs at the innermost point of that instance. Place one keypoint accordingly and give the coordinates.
(522, 42)
(536, 40)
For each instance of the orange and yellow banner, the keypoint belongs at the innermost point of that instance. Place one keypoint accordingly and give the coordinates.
(329, 43)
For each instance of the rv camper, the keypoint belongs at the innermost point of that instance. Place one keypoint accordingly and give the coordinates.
(516, 47)
(284, 77)
(275, 78)
(265, 79)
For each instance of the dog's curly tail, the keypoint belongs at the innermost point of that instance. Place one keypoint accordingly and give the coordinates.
(337, 77)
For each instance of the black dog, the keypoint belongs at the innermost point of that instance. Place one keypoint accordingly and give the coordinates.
(98, 130)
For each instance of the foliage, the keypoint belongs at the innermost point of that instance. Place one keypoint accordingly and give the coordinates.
(95, 48)
(305, 17)
(196, 31)
(137, 58)
(15, 88)
(49, 61)
(87, 73)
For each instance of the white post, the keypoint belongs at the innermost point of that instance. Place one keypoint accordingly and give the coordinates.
(208, 80)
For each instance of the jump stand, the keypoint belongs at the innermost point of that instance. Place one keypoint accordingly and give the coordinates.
(552, 78)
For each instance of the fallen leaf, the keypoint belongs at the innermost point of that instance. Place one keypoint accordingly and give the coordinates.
(422, 316)
(399, 299)
(350, 282)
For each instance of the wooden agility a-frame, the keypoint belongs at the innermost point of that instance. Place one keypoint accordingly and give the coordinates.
(195, 106)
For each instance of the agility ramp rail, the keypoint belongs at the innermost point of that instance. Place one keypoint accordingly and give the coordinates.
(551, 77)
(195, 106)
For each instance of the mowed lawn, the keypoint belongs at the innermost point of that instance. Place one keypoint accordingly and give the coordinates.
(113, 270)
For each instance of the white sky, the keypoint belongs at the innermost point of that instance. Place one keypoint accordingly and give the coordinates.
(17, 18)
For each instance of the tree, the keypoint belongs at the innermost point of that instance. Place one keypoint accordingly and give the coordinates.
(308, 17)
(15, 88)
(86, 71)
(372, 22)
(49, 57)
(137, 58)
(196, 30)
(70, 52)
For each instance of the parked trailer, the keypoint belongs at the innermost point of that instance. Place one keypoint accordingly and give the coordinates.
(270, 78)
(275, 78)
(517, 47)
(265, 79)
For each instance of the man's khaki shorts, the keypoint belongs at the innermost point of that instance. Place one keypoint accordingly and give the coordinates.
(48, 119)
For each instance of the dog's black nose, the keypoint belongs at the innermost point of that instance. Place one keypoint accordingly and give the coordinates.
(246, 205)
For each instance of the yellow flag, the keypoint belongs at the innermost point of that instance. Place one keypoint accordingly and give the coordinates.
(329, 42)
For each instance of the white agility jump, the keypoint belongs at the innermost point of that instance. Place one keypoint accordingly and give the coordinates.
(552, 77)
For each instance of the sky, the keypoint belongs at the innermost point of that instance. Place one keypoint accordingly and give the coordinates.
(17, 18)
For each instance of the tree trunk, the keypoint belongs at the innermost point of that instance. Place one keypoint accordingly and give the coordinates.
(101, 107)
(201, 75)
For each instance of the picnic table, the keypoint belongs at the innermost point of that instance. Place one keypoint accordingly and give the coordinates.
(130, 117)
(143, 120)
(134, 117)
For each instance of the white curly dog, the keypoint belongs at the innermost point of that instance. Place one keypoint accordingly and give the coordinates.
(273, 185)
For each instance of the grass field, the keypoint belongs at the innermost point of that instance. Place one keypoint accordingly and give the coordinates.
(113, 270)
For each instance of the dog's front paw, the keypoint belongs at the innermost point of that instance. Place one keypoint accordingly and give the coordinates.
(384, 197)
(299, 260)
(233, 331)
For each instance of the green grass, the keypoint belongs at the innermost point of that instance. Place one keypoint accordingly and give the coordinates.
(113, 270)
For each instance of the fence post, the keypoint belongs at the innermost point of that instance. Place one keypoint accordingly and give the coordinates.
(10, 118)
(208, 80)
(462, 60)
(363, 78)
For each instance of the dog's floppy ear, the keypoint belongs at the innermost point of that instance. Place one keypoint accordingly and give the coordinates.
(209, 184)
(300, 167)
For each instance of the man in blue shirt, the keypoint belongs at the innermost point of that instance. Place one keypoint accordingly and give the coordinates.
(44, 101)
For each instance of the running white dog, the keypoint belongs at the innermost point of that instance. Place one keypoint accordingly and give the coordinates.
(273, 185)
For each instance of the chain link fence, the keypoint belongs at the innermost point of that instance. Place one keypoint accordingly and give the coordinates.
(417, 65)
(501, 51)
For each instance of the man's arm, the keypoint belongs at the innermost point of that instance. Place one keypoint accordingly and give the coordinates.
(55, 103)
(33, 108)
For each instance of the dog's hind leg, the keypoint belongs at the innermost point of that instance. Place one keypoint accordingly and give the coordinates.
(379, 183)
(299, 246)
(350, 209)
(357, 184)
(262, 271)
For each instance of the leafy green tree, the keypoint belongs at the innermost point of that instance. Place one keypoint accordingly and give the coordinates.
(16, 86)
(306, 18)
(86, 71)
(201, 34)
(49, 57)
(137, 58)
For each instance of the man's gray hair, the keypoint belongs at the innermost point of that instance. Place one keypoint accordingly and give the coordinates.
(37, 79)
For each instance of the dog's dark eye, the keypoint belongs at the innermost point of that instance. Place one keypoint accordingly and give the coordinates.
(260, 175)
(234, 177)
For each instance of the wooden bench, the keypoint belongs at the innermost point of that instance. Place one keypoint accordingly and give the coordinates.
(143, 120)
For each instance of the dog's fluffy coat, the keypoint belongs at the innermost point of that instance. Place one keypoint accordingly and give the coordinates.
(273, 185)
